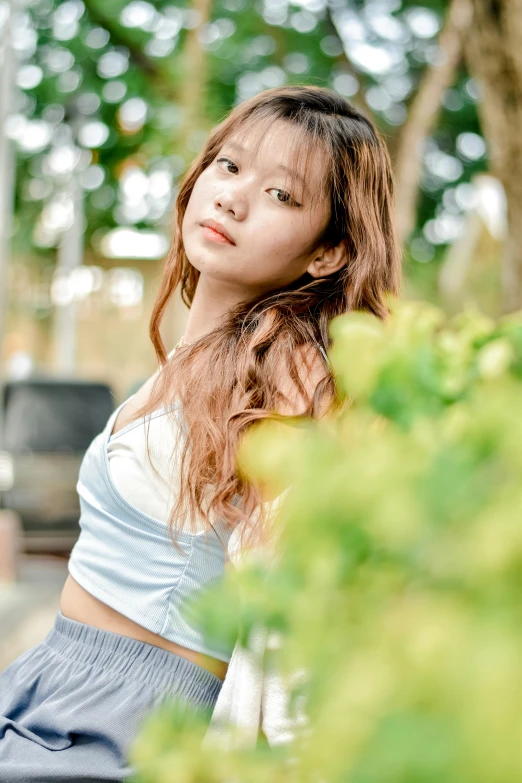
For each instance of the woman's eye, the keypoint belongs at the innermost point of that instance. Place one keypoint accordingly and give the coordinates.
(283, 196)
(286, 197)
(229, 162)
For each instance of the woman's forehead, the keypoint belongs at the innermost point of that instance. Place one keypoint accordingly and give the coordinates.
(275, 138)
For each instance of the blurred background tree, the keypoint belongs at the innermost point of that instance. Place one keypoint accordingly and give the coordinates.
(124, 93)
(112, 100)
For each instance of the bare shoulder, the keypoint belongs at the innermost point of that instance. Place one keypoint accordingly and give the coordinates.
(311, 369)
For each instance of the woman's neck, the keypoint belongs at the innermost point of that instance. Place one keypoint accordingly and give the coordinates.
(210, 305)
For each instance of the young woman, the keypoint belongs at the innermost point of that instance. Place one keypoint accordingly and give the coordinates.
(283, 222)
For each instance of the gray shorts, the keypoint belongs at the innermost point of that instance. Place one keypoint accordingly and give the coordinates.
(71, 706)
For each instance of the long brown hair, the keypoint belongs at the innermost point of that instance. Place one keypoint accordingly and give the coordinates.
(226, 381)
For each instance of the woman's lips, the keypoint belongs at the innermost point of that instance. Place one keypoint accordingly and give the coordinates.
(215, 236)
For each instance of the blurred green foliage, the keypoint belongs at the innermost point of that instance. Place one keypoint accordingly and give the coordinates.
(109, 79)
(397, 587)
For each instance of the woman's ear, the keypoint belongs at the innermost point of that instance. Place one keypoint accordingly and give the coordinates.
(328, 260)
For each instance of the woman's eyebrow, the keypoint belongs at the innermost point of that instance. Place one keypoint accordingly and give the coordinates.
(279, 167)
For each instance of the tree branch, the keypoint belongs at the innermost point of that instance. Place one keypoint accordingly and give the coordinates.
(358, 100)
(423, 113)
(119, 36)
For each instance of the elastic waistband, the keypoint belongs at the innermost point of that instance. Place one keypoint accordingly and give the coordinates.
(131, 658)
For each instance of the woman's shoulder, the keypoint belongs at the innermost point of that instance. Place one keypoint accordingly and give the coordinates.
(312, 367)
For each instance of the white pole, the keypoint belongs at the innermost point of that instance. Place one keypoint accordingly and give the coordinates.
(7, 159)
(70, 257)
(7, 172)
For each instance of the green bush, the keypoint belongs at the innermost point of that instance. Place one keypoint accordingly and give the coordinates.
(398, 583)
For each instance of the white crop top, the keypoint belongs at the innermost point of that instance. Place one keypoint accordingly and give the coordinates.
(124, 555)
(151, 491)
(130, 466)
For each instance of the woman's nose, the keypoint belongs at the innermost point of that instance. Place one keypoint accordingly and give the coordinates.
(232, 202)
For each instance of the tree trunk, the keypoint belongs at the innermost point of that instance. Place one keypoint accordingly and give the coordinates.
(192, 87)
(494, 54)
(423, 113)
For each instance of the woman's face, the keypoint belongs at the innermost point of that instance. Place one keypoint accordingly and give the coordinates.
(273, 226)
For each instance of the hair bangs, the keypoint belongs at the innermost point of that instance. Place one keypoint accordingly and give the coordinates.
(306, 144)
